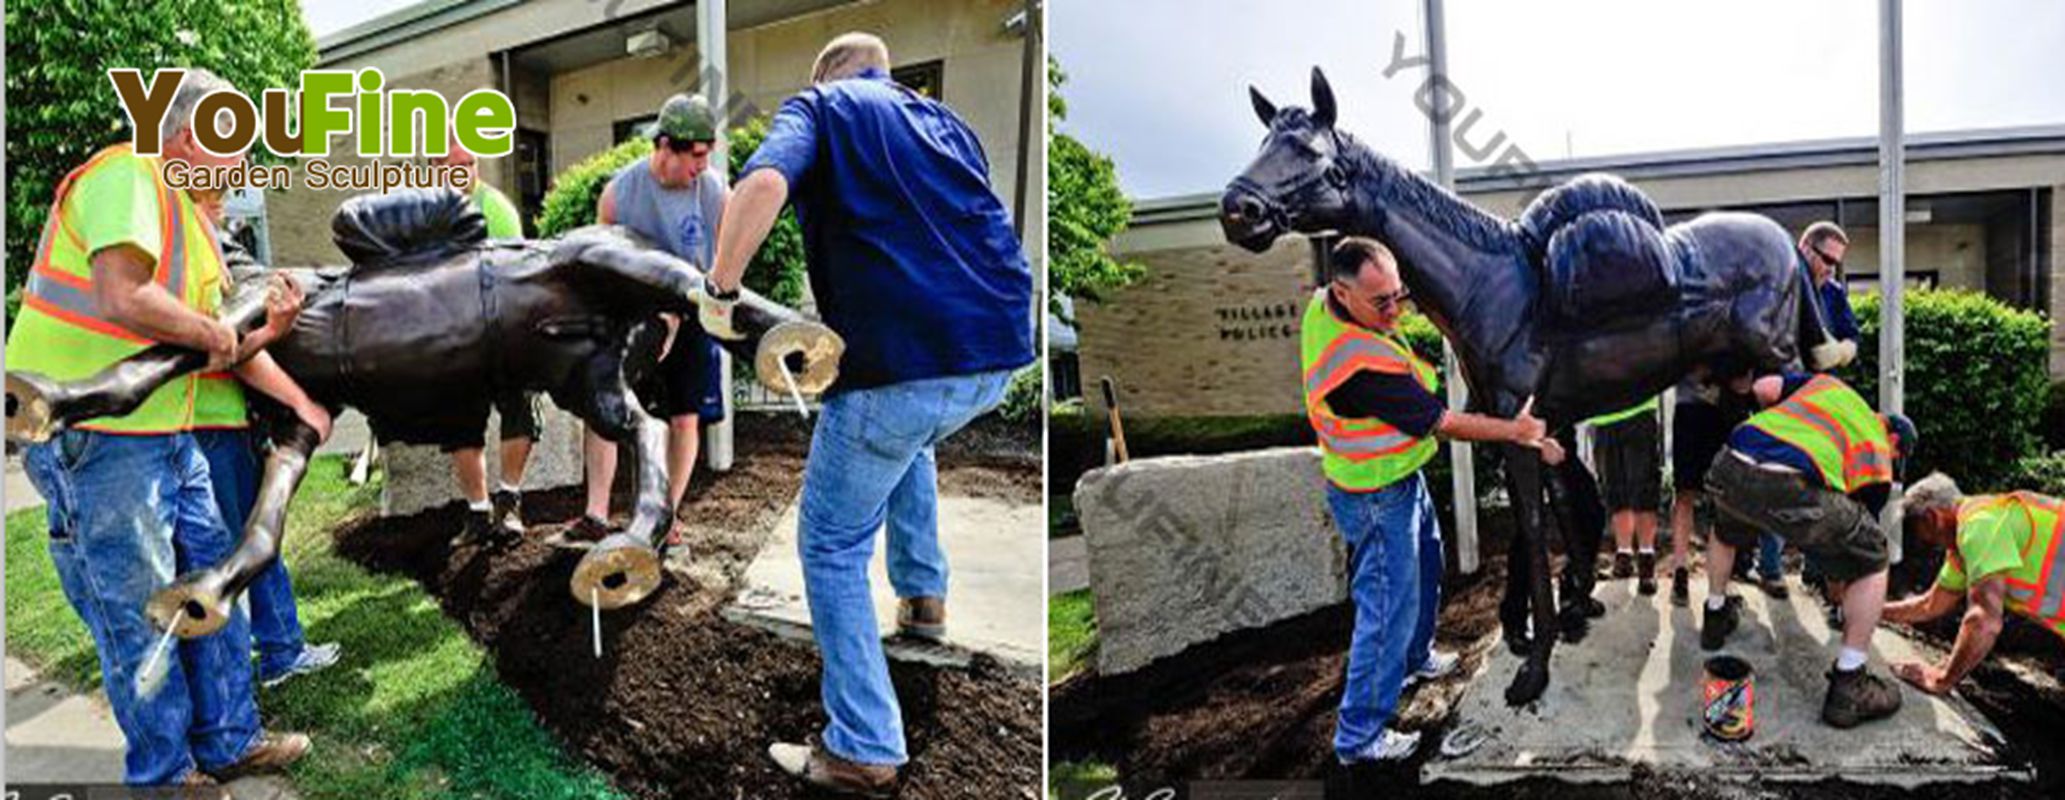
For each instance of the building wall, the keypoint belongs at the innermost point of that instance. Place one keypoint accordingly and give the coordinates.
(771, 62)
(1957, 253)
(2057, 280)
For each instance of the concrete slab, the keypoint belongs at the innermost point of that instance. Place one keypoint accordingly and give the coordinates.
(1630, 694)
(58, 737)
(1068, 565)
(995, 551)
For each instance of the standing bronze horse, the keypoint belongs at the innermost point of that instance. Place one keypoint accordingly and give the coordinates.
(1586, 303)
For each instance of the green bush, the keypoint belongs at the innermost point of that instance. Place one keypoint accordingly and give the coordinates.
(2052, 425)
(777, 271)
(1022, 399)
(2043, 474)
(1976, 381)
(61, 107)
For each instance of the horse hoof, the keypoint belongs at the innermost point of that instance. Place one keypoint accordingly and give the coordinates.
(809, 350)
(188, 610)
(619, 572)
(30, 418)
(1573, 625)
(1527, 686)
(1519, 643)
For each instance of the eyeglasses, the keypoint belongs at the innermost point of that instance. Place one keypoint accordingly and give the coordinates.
(1828, 259)
(1385, 300)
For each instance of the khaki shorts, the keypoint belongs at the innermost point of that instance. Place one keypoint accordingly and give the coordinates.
(1838, 532)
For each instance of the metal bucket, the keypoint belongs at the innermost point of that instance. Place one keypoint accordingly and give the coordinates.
(1729, 691)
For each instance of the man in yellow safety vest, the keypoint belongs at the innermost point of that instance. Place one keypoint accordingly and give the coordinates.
(2001, 553)
(1372, 402)
(1815, 467)
(126, 262)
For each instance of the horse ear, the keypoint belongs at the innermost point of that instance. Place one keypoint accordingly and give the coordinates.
(1263, 108)
(1322, 100)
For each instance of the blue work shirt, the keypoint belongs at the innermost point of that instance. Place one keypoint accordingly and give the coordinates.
(912, 257)
(1835, 303)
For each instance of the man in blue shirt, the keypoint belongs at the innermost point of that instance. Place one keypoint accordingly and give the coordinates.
(913, 261)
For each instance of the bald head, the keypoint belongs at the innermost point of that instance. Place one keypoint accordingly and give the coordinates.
(848, 55)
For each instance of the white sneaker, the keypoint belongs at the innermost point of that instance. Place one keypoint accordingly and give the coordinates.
(313, 658)
(1439, 665)
(1391, 746)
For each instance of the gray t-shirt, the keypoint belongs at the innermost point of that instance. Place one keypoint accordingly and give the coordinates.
(681, 221)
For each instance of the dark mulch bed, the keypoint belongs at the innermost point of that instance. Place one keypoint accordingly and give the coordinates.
(683, 704)
(1259, 705)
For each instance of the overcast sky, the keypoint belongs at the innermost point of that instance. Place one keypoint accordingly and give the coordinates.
(1161, 84)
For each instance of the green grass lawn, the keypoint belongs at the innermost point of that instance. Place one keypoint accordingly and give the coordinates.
(413, 711)
(1071, 633)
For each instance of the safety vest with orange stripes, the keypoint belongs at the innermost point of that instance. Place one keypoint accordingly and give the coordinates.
(2014, 536)
(1829, 422)
(1358, 454)
(62, 332)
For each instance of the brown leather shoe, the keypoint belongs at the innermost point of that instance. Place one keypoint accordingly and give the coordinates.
(1858, 697)
(922, 618)
(587, 530)
(832, 773)
(272, 753)
(198, 785)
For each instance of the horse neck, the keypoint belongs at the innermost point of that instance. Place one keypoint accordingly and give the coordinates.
(1447, 249)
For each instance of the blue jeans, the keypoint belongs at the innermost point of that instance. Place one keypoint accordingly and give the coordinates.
(1770, 555)
(1395, 563)
(871, 459)
(275, 622)
(127, 514)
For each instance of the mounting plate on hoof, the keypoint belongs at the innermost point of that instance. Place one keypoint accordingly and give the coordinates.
(811, 351)
(29, 417)
(616, 573)
(187, 610)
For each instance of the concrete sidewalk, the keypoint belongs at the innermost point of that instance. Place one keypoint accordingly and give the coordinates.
(56, 736)
(994, 553)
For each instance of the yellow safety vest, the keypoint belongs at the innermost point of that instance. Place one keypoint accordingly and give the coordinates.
(1358, 454)
(1646, 407)
(1828, 421)
(2033, 524)
(63, 335)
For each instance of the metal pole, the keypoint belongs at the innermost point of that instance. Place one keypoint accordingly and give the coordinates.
(1460, 456)
(1029, 95)
(1892, 237)
(710, 39)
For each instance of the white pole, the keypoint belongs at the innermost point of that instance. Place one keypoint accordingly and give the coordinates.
(710, 40)
(1460, 456)
(1892, 237)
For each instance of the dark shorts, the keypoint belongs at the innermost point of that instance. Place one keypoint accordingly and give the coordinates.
(1630, 457)
(690, 377)
(1698, 431)
(520, 420)
(1836, 531)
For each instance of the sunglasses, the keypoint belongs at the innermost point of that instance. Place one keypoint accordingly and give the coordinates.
(691, 148)
(1828, 259)
(1386, 300)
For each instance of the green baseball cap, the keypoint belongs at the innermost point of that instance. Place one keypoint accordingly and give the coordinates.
(685, 118)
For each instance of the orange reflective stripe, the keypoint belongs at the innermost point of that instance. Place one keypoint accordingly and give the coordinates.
(1348, 355)
(93, 324)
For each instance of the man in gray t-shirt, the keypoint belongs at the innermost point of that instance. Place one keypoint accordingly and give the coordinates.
(674, 199)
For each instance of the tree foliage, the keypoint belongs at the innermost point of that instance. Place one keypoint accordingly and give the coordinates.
(776, 271)
(62, 107)
(1085, 210)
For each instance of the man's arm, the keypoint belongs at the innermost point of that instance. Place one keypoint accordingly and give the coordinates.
(748, 216)
(606, 206)
(1975, 637)
(265, 375)
(1522, 430)
(125, 293)
(1921, 608)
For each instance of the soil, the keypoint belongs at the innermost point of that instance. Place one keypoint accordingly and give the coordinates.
(1259, 705)
(683, 704)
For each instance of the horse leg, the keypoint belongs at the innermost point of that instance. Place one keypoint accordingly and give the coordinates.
(198, 603)
(1515, 604)
(1580, 513)
(1524, 473)
(624, 568)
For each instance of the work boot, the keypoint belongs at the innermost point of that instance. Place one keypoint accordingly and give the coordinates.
(922, 618)
(1774, 587)
(1623, 565)
(1645, 574)
(479, 528)
(832, 773)
(587, 530)
(1719, 623)
(1680, 595)
(272, 753)
(197, 785)
(508, 511)
(1857, 697)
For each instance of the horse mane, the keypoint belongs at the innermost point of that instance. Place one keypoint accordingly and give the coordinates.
(1389, 184)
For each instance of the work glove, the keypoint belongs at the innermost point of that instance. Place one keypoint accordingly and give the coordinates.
(714, 311)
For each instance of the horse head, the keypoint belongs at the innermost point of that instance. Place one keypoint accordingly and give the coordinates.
(1301, 181)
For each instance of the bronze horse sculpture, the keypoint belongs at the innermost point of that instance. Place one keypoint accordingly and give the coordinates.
(1587, 304)
(424, 328)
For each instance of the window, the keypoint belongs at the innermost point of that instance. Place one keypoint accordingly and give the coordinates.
(625, 130)
(927, 78)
